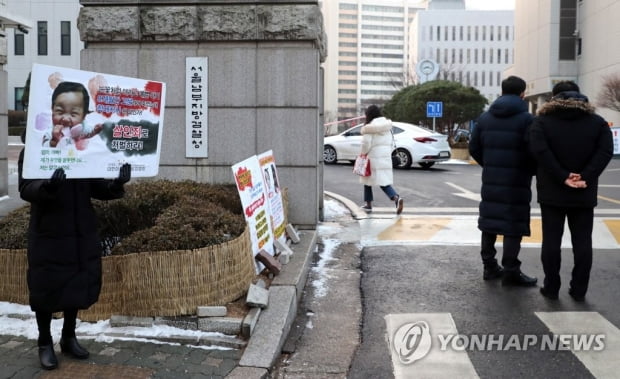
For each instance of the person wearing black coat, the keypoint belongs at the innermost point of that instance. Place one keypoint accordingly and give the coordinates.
(498, 144)
(572, 146)
(64, 252)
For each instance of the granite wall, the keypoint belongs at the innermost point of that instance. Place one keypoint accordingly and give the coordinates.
(264, 92)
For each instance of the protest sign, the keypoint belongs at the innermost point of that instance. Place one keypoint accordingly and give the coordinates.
(90, 124)
(274, 194)
(251, 187)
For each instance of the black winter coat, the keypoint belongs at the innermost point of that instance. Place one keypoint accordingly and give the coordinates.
(567, 136)
(498, 144)
(64, 249)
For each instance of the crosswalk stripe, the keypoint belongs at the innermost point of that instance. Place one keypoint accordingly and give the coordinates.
(463, 230)
(414, 352)
(603, 363)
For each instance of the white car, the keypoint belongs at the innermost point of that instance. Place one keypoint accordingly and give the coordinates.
(414, 144)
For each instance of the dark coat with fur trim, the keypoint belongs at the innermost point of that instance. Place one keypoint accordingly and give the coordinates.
(567, 136)
(64, 249)
(498, 144)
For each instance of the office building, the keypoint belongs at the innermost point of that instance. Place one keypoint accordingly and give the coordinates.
(367, 52)
(472, 47)
(53, 39)
(567, 40)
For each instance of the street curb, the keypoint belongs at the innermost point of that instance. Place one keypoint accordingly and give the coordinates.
(275, 321)
(356, 211)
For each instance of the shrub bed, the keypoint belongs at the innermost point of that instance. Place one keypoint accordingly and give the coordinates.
(156, 215)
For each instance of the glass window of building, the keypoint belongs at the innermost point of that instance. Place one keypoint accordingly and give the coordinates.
(475, 56)
(65, 37)
(491, 56)
(439, 33)
(42, 37)
(491, 33)
(568, 25)
(19, 92)
(499, 33)
(484, 32)
(506, 55)
(475, 33)
(348, 6)
(18, 42)
(482, 78)
(484, 55)
(460, 33)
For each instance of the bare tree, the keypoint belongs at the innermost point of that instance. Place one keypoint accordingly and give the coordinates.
(609, 96)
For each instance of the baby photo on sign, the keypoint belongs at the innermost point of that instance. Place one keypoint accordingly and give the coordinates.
(90, 124)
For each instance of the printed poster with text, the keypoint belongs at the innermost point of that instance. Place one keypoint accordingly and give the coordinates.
(249, 180)
(274, 194)
(90, 124)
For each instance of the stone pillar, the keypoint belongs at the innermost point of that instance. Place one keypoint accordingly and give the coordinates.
(264, 81)
(4, 118)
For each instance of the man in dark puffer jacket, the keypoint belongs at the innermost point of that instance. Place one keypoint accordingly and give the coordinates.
(498, 144)
(572, 146)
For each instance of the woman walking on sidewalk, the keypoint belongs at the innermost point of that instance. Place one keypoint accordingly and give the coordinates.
(377, 145)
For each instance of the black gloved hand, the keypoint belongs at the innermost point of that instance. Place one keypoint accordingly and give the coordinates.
(124, 176)
(58, 179)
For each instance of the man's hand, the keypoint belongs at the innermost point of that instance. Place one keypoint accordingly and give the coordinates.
(574, 181)
(58, 179)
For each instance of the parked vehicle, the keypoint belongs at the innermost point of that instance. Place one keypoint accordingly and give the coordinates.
(413, 144)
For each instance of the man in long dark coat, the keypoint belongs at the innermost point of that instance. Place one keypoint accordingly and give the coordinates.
(572, 145)
(498, 144)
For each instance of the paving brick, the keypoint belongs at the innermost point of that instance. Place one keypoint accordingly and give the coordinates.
(212, 311)
(257, 297)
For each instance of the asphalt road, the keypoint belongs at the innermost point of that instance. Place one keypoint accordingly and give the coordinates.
(401, 283)
(447, 186)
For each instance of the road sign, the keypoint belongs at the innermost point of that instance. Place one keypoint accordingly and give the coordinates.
(434, 109)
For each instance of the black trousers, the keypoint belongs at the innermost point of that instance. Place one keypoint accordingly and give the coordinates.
(580, 222)
(511, 248)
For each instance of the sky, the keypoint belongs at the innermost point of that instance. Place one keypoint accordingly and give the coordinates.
(490, 4)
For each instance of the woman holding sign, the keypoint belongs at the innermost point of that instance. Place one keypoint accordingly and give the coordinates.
(64, 252)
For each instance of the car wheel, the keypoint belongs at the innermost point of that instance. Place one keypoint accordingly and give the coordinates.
(329, 155)
(403, 159)
(426, 165)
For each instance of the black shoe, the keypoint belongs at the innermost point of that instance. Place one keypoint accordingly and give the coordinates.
(494, 272)
(71, 346)
(578, 298)
(47, 357)
(548, 294)
(518, 279)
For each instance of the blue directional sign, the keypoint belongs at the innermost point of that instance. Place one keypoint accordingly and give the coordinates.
(434, 109)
